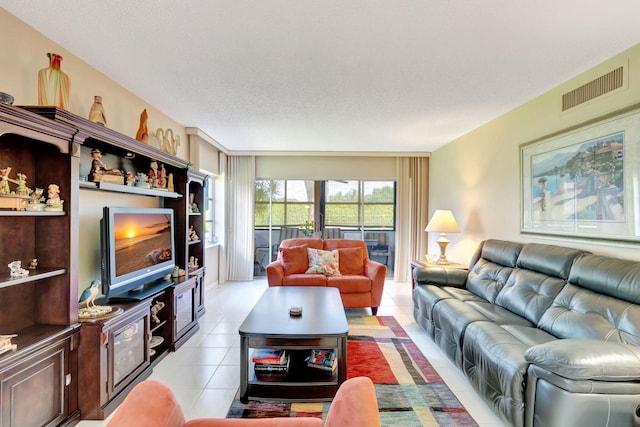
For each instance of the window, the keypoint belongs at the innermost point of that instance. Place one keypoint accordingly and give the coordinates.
(360, 204)
(209, 235)
(280, 203)
(366, 208)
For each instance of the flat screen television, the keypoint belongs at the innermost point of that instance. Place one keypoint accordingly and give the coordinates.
(138, 250)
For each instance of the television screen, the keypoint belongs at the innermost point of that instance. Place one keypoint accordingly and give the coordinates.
(137, 249)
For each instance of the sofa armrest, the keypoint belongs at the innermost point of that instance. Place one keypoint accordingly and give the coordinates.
(593, 360)
(275, 273)
(377, 273)
(440, 276)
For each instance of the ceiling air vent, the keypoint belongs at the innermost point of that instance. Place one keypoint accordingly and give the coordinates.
(593, 89)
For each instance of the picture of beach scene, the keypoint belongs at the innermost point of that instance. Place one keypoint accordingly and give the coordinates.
(580, 182)
(141, 240)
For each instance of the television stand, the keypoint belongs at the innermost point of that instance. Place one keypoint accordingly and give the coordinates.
(142, 293)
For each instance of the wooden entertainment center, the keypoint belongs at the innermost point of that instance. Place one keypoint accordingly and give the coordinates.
(64, 370)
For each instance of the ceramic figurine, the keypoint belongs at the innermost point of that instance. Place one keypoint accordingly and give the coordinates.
(36, 200)
(99, 169)
(193, 263)
(155, 308)
(96, 113)
(22, 189)
(33, 264)
(152, 176)
(170, 182)
(53, 85)
(162, 176)
(53, 198)
(16, 269)
(88, 296)
(131, 180)
(193, 236)
(142, 180)
(4, 180)
(143, 132)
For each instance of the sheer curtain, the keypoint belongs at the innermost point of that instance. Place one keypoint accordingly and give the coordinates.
(239, 222)
(412, 214)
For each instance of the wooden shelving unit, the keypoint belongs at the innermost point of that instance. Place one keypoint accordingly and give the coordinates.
(51, 145)
(40, 308)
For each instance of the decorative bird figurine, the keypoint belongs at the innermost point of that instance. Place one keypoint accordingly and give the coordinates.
(88, 296)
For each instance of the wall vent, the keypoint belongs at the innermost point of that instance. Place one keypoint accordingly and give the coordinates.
(603, 84)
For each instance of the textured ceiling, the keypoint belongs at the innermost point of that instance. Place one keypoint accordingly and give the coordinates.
(348, 75)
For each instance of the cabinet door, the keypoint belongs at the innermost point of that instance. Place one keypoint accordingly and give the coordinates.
(185, 309)
(128, 353)
(34, 391)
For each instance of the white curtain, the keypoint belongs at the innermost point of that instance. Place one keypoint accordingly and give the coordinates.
(412, 210)
(239, 219)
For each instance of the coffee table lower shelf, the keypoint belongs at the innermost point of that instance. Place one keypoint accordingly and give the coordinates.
(300, 383)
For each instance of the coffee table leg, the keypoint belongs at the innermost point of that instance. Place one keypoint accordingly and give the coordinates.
(342, 360)
(244, 369)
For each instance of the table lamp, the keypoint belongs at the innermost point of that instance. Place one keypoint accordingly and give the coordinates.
(442, 222)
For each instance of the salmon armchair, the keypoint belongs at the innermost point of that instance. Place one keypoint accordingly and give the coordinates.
(153, 404)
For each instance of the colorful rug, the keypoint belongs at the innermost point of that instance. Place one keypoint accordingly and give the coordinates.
(409, 390)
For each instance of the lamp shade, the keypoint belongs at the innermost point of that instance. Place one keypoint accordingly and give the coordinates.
(443, 221)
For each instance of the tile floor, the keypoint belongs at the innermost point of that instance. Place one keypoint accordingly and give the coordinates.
(204, 372)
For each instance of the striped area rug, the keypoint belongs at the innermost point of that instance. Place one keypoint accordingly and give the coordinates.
(409, 390)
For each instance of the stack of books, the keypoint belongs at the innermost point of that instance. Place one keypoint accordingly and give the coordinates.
(324, 360)
(5, 343)
(270, 361)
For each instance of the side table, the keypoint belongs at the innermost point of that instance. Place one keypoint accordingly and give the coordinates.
(424, 263)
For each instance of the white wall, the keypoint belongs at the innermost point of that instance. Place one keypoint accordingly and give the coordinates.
(478, 175)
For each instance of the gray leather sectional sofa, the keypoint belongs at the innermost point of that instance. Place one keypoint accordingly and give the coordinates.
(547, 335)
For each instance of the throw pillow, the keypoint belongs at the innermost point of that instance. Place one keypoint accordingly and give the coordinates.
(294, 259)
(323, 262)
(351, 261)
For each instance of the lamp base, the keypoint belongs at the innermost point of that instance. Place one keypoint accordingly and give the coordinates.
(442, 242)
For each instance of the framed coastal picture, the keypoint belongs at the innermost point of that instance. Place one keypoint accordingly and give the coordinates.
(585, 182)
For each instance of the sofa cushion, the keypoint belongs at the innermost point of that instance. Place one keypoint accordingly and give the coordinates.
(610, 276)
(555, 261)
(351, 261)
(350, 284)
(323, 262)
(583, 314)
(304, 280)
(294, 259)
(587, 359)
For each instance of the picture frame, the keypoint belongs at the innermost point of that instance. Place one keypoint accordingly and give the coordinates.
(584, 182)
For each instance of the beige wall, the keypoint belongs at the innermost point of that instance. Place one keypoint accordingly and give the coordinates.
(478, 175)
(326, 167)
(23, 54)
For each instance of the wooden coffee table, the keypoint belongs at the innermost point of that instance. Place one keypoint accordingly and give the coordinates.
(322, 325)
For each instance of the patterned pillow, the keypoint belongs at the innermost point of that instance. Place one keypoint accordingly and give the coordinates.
(323, 262)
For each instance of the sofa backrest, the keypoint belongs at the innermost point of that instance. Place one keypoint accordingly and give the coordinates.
(540, 274)
(331, 244)
(600, 301)
(491, 267)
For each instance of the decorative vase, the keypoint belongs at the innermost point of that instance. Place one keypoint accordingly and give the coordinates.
(96, 113)
(53, 85)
